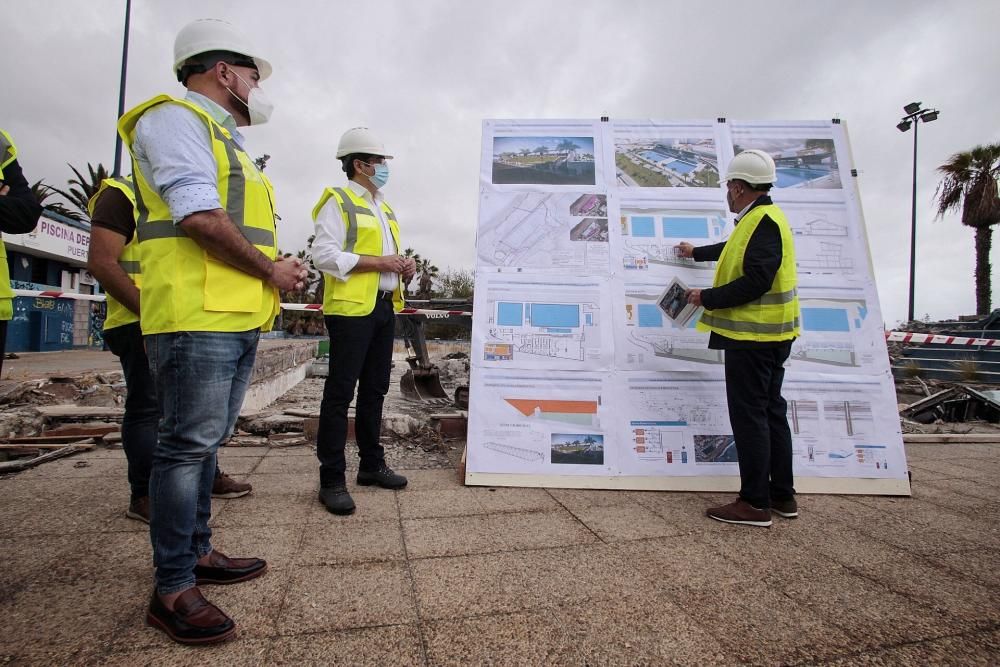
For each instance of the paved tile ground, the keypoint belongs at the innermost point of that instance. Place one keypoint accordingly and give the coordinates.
(441, 574)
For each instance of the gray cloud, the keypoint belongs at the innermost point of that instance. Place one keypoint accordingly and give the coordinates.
(425, 74)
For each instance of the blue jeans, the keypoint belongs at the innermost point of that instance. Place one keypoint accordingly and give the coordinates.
(201, 378)
(142, 414)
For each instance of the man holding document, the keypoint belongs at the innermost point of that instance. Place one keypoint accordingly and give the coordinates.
(752, 312)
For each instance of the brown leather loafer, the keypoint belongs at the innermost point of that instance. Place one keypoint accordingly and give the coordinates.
(225, 570)
(194, 619)
(741, 512)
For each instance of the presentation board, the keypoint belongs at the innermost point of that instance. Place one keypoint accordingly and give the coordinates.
(587, 370)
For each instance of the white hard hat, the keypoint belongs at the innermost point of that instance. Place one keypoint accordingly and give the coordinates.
(204, 35)
(753, 166)
(361, 140)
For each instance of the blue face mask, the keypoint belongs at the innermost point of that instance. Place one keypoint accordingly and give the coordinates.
(381, 175)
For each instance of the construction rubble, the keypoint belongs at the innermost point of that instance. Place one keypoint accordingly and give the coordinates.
(47, 418)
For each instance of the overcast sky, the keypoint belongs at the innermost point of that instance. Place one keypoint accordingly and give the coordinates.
(425, 73)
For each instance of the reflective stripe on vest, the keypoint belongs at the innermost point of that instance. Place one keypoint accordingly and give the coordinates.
(117, 314)
(351, 211)
(235, 185)
(775, 315)
(186, 288)
(363, 236)
(749, 327)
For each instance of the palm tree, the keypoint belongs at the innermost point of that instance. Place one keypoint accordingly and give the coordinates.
(410, 253)
(43, 192)
(88, 187)
(970, 182)
(427, 272)
(567, 145)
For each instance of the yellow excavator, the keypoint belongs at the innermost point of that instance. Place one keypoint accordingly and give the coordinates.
(422, 381)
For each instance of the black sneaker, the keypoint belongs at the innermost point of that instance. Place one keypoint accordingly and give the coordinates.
(336, 499)
(383, 477)
(788, 509)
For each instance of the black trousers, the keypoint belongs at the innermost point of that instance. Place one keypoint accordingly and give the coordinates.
(757, 413)
(142, 412)
(360, 356)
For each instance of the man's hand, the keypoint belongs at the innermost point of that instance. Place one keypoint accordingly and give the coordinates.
(694, 296)
(4, 189)
(684, 249)
(409, 269)
(287, 274)
(392, 264)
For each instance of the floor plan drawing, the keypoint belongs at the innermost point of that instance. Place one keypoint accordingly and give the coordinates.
(649, 236)
(544, 231)
(542, 321)
(648, 340)
(825, 242)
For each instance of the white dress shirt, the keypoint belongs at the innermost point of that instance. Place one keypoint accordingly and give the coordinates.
(328, 252)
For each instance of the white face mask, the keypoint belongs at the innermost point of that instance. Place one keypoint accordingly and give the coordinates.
(259, 107)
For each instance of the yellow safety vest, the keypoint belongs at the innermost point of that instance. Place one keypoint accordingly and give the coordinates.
(118, 315)
(356, 296)
(8, 153)
(774, 316)
(185, 288)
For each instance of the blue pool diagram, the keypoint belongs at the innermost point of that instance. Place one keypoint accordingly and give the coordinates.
(650, 341)
(650, 236)
(551, 329)
(829, 329)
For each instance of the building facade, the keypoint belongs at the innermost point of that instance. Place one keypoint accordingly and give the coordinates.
(53, 258)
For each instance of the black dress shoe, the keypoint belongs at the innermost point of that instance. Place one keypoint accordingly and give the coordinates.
(225, 570)
(336, 499)
(194, 619)
(383, 477)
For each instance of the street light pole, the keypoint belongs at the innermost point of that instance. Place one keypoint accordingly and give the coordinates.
(913, 227)
(914, 115)
(121, 91)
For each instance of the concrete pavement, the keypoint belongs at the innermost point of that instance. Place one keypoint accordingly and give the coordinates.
(442, 574)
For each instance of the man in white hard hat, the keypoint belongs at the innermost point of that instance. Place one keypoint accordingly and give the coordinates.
(752, 312)
(357, 249)
(210, 280)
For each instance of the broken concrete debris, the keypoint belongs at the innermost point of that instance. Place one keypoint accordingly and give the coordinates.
(958, 403)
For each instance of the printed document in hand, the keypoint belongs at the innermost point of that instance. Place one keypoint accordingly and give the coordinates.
(673, 303)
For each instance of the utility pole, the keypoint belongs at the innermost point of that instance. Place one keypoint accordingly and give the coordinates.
(117, 171)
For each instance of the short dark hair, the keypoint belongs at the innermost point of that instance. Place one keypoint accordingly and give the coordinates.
(347, 162)
(203, 62)
(758, 187)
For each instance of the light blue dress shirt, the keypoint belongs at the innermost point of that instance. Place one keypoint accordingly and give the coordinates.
(173, 151)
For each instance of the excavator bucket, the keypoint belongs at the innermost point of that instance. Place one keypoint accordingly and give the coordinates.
(422, 385)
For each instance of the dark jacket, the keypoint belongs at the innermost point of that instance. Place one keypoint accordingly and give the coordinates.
(19, 210)
(761, 262)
